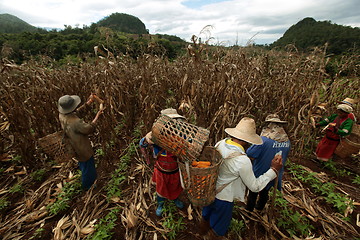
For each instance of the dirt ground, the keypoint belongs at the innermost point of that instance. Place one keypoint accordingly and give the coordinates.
(148, 224)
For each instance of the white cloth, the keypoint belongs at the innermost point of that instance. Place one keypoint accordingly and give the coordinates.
(239, 173)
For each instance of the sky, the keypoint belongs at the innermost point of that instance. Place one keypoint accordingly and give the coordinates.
(228, 22)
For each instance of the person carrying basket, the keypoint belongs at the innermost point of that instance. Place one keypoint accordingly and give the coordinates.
(235, 175)
(166, 174)
(77, 131)
(337, 125)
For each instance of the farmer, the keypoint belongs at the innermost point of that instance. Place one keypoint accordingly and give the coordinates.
(235, 174)
(337, 125)
(77, 131)
(351, 102)
(166, 174)
(274, 140)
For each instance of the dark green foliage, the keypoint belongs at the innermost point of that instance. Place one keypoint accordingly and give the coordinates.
(75, 42)
(124, 23)
(12, 24)
(309, 33)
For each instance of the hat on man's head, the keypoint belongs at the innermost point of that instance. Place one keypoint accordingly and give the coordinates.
(349, 101)
(245, 130)
(344, 107)
(274, 118)
(171, 112)
(68, 103)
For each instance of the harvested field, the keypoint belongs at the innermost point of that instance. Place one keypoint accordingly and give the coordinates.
(214, 89)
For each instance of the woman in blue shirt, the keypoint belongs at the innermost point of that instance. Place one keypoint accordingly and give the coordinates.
(275, 140)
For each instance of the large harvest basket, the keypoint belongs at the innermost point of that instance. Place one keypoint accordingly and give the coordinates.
(182, 139)
(349, 145)
(200, 183)
(57, 147)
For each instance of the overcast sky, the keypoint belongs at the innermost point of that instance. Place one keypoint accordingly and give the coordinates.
(233, 21)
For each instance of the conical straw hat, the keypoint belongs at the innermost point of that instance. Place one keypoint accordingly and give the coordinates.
(246, 131)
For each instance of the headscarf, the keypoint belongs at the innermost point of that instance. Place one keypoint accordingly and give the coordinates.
(275, 132)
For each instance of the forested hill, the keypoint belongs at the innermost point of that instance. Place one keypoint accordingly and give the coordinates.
(117, 21)
(124, 23)
(12, 24)
(309, 33)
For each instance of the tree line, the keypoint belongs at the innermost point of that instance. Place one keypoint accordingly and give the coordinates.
(80, 42)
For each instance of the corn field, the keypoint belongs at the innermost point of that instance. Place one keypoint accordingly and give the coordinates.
(213, 88)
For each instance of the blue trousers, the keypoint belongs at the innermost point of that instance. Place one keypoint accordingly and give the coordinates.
(88, 173)
(218, 214)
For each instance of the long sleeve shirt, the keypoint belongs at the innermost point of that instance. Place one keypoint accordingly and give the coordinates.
(77, 131)
(344, 128)
(237, 173)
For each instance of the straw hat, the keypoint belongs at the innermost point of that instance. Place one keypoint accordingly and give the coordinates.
(344, 107)
(274, 118)
(348, 101)
(246, 131)
(68, 103)
(170, 112)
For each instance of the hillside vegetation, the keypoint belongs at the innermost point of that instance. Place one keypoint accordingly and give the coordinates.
(213, 88)
(309, 33)
(118, 33)
(12, 24)
(123, 23)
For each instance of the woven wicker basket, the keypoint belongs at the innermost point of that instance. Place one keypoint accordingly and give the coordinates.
(349, 145)
(200, 183)
(182, 139)
(57, 147)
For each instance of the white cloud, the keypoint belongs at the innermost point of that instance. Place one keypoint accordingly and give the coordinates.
(234, 20)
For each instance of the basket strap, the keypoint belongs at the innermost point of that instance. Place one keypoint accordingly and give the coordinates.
(64, 133)
(232, 155)
(187, 167)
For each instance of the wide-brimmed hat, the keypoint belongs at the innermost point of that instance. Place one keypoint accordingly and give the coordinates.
(274, 118)
(245, 130)
(68, 103)
(344, 107)
(171, 112)
(349, 101)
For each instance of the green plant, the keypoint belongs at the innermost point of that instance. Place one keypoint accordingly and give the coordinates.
(290, 220)
(356, 180)
(236, 228)
(38, 233)
(113, 187)
(4, 203)
(99, 152)
(172, 222)
(338, 200)
(17, 159)
(105, 226)
(38, 174)
(137, 133)
(17, 188)
(69, 190)
(119, 127)
(338, 171)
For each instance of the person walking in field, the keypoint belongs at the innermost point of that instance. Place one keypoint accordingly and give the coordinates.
(166, 174)
(77, 131)
(235, 175)
(338, 125)
(275, 140)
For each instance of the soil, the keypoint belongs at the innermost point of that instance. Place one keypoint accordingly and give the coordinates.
(254, 229)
